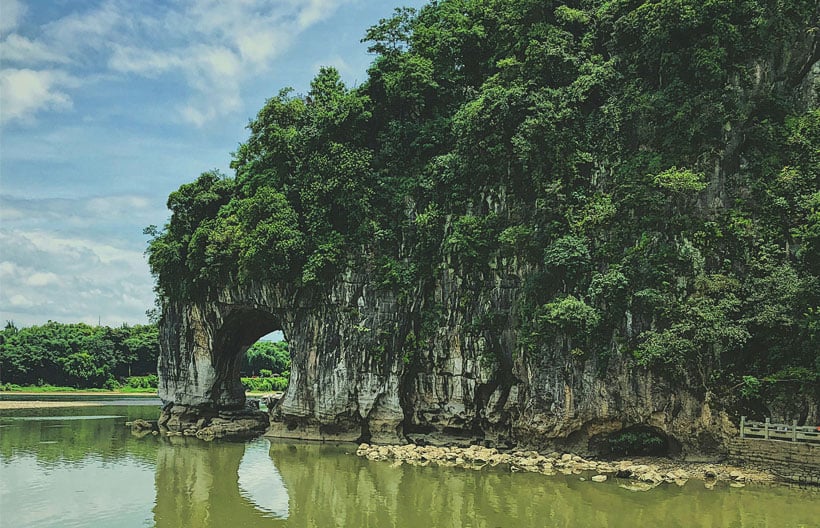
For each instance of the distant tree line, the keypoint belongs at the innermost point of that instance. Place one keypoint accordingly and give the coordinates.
(83, 356)
(77, 355)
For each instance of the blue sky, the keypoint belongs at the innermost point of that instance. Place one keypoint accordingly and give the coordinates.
(108, 106)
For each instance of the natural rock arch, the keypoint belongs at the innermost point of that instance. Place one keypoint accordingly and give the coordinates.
(202, 348)
(202, 351)
(338, 389)
(354, 375)
(449, 358)
(241, 328)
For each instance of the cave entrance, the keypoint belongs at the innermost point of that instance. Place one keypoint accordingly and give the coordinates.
(250, 354)
(637, 440)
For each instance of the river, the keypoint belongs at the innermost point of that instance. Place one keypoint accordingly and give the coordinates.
(81, 467)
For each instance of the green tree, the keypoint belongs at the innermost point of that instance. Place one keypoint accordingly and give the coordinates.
(267, 355)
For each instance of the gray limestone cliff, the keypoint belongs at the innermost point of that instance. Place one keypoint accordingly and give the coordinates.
(357, 373)
(442, 362)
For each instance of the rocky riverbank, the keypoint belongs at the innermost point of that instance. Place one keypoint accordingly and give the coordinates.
(240, 424)
(639, 474)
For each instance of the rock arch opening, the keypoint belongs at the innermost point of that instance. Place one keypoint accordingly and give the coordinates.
(242, 331)
(266, 365)
(203, 351)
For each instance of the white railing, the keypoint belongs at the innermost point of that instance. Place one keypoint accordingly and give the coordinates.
(775, 431)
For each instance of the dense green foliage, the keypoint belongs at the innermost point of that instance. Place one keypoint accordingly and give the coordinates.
(131, 384)
(149, 381)
(265, 384)
(651, 161)
(77, 355)
(57, 356)
(636, 442)
(266, 357)
(269, 364)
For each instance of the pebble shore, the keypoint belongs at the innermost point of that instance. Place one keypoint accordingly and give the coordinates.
(640, 474)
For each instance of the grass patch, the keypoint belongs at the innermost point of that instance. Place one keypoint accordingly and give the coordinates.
(273, 383)
(11, 387)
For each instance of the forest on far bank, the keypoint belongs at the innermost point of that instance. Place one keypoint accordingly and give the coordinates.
(82, 356)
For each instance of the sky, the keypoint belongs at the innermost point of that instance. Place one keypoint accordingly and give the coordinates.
(107, 106)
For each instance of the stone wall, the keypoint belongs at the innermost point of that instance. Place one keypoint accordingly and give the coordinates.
(792, 461)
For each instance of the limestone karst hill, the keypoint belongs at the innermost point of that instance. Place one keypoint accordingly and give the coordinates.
(534, 223)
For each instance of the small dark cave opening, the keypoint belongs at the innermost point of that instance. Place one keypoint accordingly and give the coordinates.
(636, 440)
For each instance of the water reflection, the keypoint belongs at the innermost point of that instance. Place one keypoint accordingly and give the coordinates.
(260, 483)
(297, 485)
(330, 488)
(69, 471)
(69, 436)
(201, 484)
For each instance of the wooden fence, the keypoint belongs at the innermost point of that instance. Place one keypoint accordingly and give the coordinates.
(775, 431)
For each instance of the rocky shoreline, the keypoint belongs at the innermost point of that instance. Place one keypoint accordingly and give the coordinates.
(638, 474)
(241, 424)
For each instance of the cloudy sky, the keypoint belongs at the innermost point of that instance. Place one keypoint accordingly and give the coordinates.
(106, 106)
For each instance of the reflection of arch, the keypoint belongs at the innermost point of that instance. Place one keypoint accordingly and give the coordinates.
(198, 485)
(260, 482)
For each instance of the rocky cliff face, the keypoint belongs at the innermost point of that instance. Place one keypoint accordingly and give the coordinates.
(359, 372)
(442, 362)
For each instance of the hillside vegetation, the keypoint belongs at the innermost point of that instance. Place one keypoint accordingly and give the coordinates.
(651, 167)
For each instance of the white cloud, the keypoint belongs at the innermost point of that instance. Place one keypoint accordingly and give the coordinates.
(52, 243)
(41, 279)
(257, 46)
(19, 49)
(227, 43)
(218, 61)
(103, 206)
(12, 12)
(24, 92)
(131, 59)
(75, 260)
(7, 268)
(92, 30)
(68, 256)
(20, 301)
(70, 278)
(312, 11)
(211, 45)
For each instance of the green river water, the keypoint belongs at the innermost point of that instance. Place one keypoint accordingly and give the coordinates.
(66, 467)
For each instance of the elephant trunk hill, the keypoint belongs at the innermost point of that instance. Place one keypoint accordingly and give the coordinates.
(553, 224)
